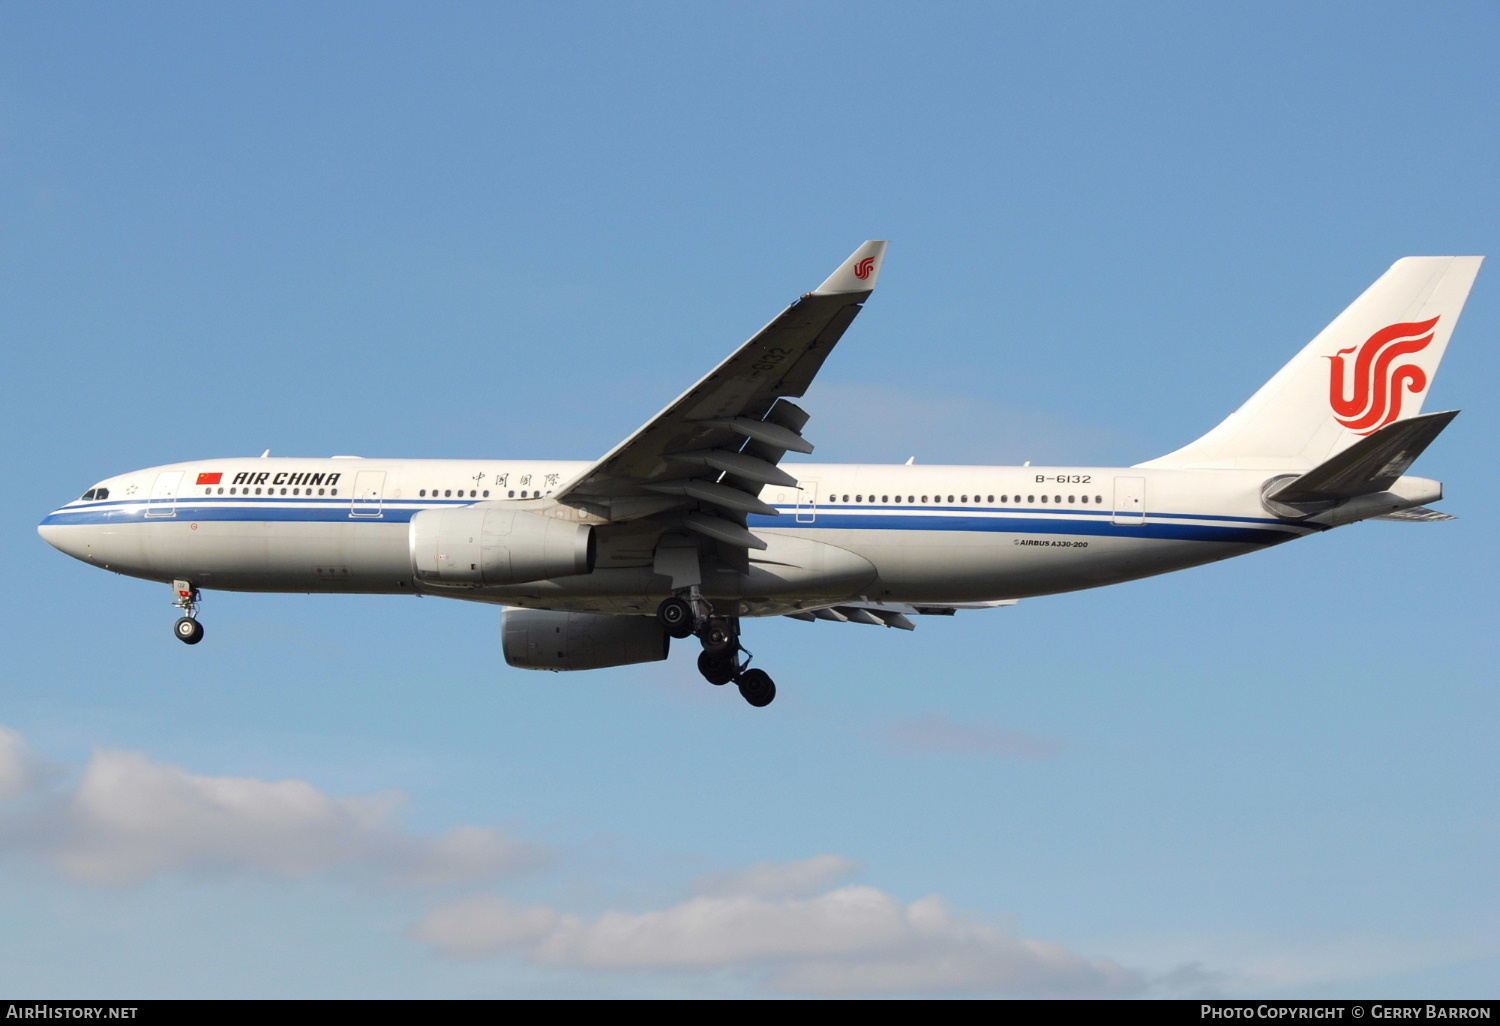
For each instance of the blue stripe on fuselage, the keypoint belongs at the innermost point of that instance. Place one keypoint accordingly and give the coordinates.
(1075, 522)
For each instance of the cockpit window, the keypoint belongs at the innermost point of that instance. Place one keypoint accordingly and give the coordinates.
(87, 496)
(100, 494)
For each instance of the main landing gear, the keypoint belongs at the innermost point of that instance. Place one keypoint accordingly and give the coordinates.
(722, 659)
(187, 628)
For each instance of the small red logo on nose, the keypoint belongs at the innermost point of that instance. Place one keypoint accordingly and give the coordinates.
(864, 267)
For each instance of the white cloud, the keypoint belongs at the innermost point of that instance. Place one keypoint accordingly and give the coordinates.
(848, 940)
(780, 879)
(483, 925)
(131, 818)
(15, 765)
(933, 735)
(788, 926)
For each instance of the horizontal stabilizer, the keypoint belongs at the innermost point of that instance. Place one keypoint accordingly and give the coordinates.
(1372, 464)
(1417, 515)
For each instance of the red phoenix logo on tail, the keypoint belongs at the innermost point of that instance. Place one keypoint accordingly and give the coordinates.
(1370, 398)
(864, 267)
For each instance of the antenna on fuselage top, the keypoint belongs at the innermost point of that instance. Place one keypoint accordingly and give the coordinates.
(910, 460)
(265, 454)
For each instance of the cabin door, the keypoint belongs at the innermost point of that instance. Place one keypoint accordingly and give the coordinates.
(1130, 500)
(369, 491)
(807, 501)
(163, 501)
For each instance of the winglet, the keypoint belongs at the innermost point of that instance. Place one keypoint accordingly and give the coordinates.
(858, 273)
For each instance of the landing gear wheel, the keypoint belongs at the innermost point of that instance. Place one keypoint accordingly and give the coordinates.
(676, 616)
(717, 636)
(718, 667)
(188, 630)
(757, 687)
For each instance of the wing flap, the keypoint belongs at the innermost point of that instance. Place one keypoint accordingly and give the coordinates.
(890, 614)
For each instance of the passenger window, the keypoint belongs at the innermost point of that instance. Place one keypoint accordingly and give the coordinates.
(422, 494)
(486, 493)
(950, 498)
(963, 498)
(511, 494)
(1030, 498)
(924, 498)
(1044, 498)
(885, 498)
(898, 498)
(990, 499)
(1098, 498)
(334, 492)
(447, 493)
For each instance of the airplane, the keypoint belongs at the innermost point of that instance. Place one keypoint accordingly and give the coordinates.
(693, 524)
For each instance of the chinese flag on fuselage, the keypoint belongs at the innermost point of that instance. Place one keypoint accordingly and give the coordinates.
(210, 478)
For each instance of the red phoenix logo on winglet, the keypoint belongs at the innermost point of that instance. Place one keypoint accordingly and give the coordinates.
(863, 269)
(1370, 398)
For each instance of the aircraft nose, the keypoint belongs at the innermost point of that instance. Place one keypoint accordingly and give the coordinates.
(63, 539)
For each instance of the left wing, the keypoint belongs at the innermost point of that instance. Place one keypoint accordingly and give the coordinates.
(708, 454)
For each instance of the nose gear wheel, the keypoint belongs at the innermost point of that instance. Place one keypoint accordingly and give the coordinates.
(187, 628)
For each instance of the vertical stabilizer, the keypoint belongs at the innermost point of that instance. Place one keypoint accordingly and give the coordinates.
(1371, 367)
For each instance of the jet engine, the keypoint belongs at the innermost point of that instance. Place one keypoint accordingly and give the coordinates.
(542, 639)
(476, 545)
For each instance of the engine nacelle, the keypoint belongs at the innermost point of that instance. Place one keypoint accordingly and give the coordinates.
(542, 639)
(476, 545)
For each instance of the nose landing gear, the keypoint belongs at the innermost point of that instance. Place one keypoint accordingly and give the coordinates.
(187, 628)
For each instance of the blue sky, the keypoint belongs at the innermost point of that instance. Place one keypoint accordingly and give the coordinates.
(518, 230)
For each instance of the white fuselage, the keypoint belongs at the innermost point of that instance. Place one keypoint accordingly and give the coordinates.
(898, 534)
